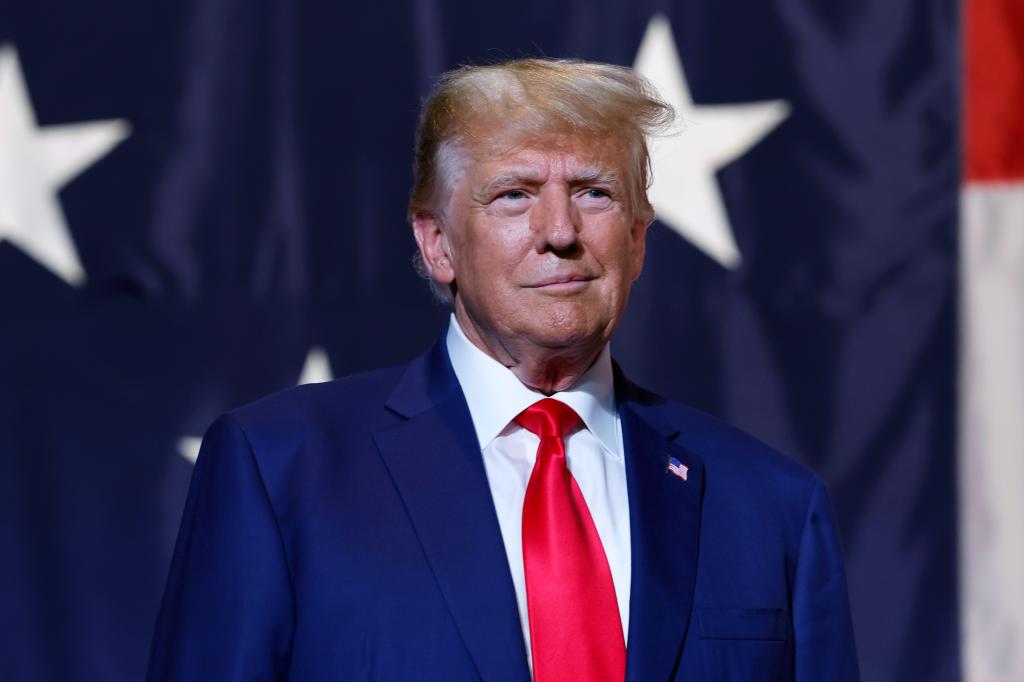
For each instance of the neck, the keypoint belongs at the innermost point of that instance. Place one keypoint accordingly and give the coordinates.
(549, 375)
(546, 370)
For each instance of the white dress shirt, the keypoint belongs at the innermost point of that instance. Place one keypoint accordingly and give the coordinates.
(594, 456)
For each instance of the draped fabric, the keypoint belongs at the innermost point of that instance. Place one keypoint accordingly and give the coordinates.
(253, 218)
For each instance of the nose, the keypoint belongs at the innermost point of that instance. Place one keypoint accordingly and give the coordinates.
(554, 222)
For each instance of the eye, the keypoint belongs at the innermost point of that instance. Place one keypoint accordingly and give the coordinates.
(513, 194)
(594, 193)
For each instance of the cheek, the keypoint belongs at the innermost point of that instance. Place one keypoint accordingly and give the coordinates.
(618, 252)
(636, 262)
(633, 245)
(498, 247)
(507, 239)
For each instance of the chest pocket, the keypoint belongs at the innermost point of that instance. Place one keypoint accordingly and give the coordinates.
(739, 645)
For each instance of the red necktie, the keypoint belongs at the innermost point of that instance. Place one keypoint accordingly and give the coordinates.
(575, 629)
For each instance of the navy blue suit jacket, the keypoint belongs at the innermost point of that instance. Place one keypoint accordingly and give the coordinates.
(345, 531)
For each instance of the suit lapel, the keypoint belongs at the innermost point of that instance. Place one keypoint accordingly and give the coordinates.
(664, 531)
(435, 462)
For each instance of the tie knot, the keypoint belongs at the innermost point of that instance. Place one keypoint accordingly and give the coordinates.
(549, 417)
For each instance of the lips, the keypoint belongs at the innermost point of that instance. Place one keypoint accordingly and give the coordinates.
(569, 281)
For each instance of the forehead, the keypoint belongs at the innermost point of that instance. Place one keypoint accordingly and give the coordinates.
(545, 154)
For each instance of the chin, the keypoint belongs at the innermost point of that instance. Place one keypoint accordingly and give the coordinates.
(568, 334)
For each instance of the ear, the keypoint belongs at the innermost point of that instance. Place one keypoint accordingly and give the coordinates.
(638, 242)
(434, 248)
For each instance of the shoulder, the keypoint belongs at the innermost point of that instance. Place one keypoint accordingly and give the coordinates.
(737, 464)
(336, 412)
(303, 435)
(350, 399)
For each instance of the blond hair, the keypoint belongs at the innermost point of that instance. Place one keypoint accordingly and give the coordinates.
(533, 98)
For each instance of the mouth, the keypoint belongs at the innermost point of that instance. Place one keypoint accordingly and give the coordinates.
(561, 284)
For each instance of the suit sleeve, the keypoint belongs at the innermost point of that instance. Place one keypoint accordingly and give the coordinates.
(823, 630)
(228, 608)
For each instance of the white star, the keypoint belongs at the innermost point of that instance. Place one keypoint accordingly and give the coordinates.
(188, 447)
(317, 368)
(685, 191)
(34, 164)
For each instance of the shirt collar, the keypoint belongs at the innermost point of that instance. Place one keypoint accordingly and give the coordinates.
(495, 396)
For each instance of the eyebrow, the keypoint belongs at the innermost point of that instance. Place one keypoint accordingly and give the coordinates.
(512, 179)
(588, 175)
(594, 175)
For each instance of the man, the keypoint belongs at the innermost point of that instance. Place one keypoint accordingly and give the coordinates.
(508, 504)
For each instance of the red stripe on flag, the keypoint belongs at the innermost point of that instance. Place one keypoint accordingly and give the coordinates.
(995, 90)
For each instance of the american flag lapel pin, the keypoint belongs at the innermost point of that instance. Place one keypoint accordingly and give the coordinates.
(676, 468)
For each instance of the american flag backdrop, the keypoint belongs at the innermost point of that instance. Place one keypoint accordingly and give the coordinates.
(202, 201)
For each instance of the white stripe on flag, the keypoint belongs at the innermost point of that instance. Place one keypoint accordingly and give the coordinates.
(991, 448)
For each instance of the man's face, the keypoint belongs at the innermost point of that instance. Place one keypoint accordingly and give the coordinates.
(542, 244)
